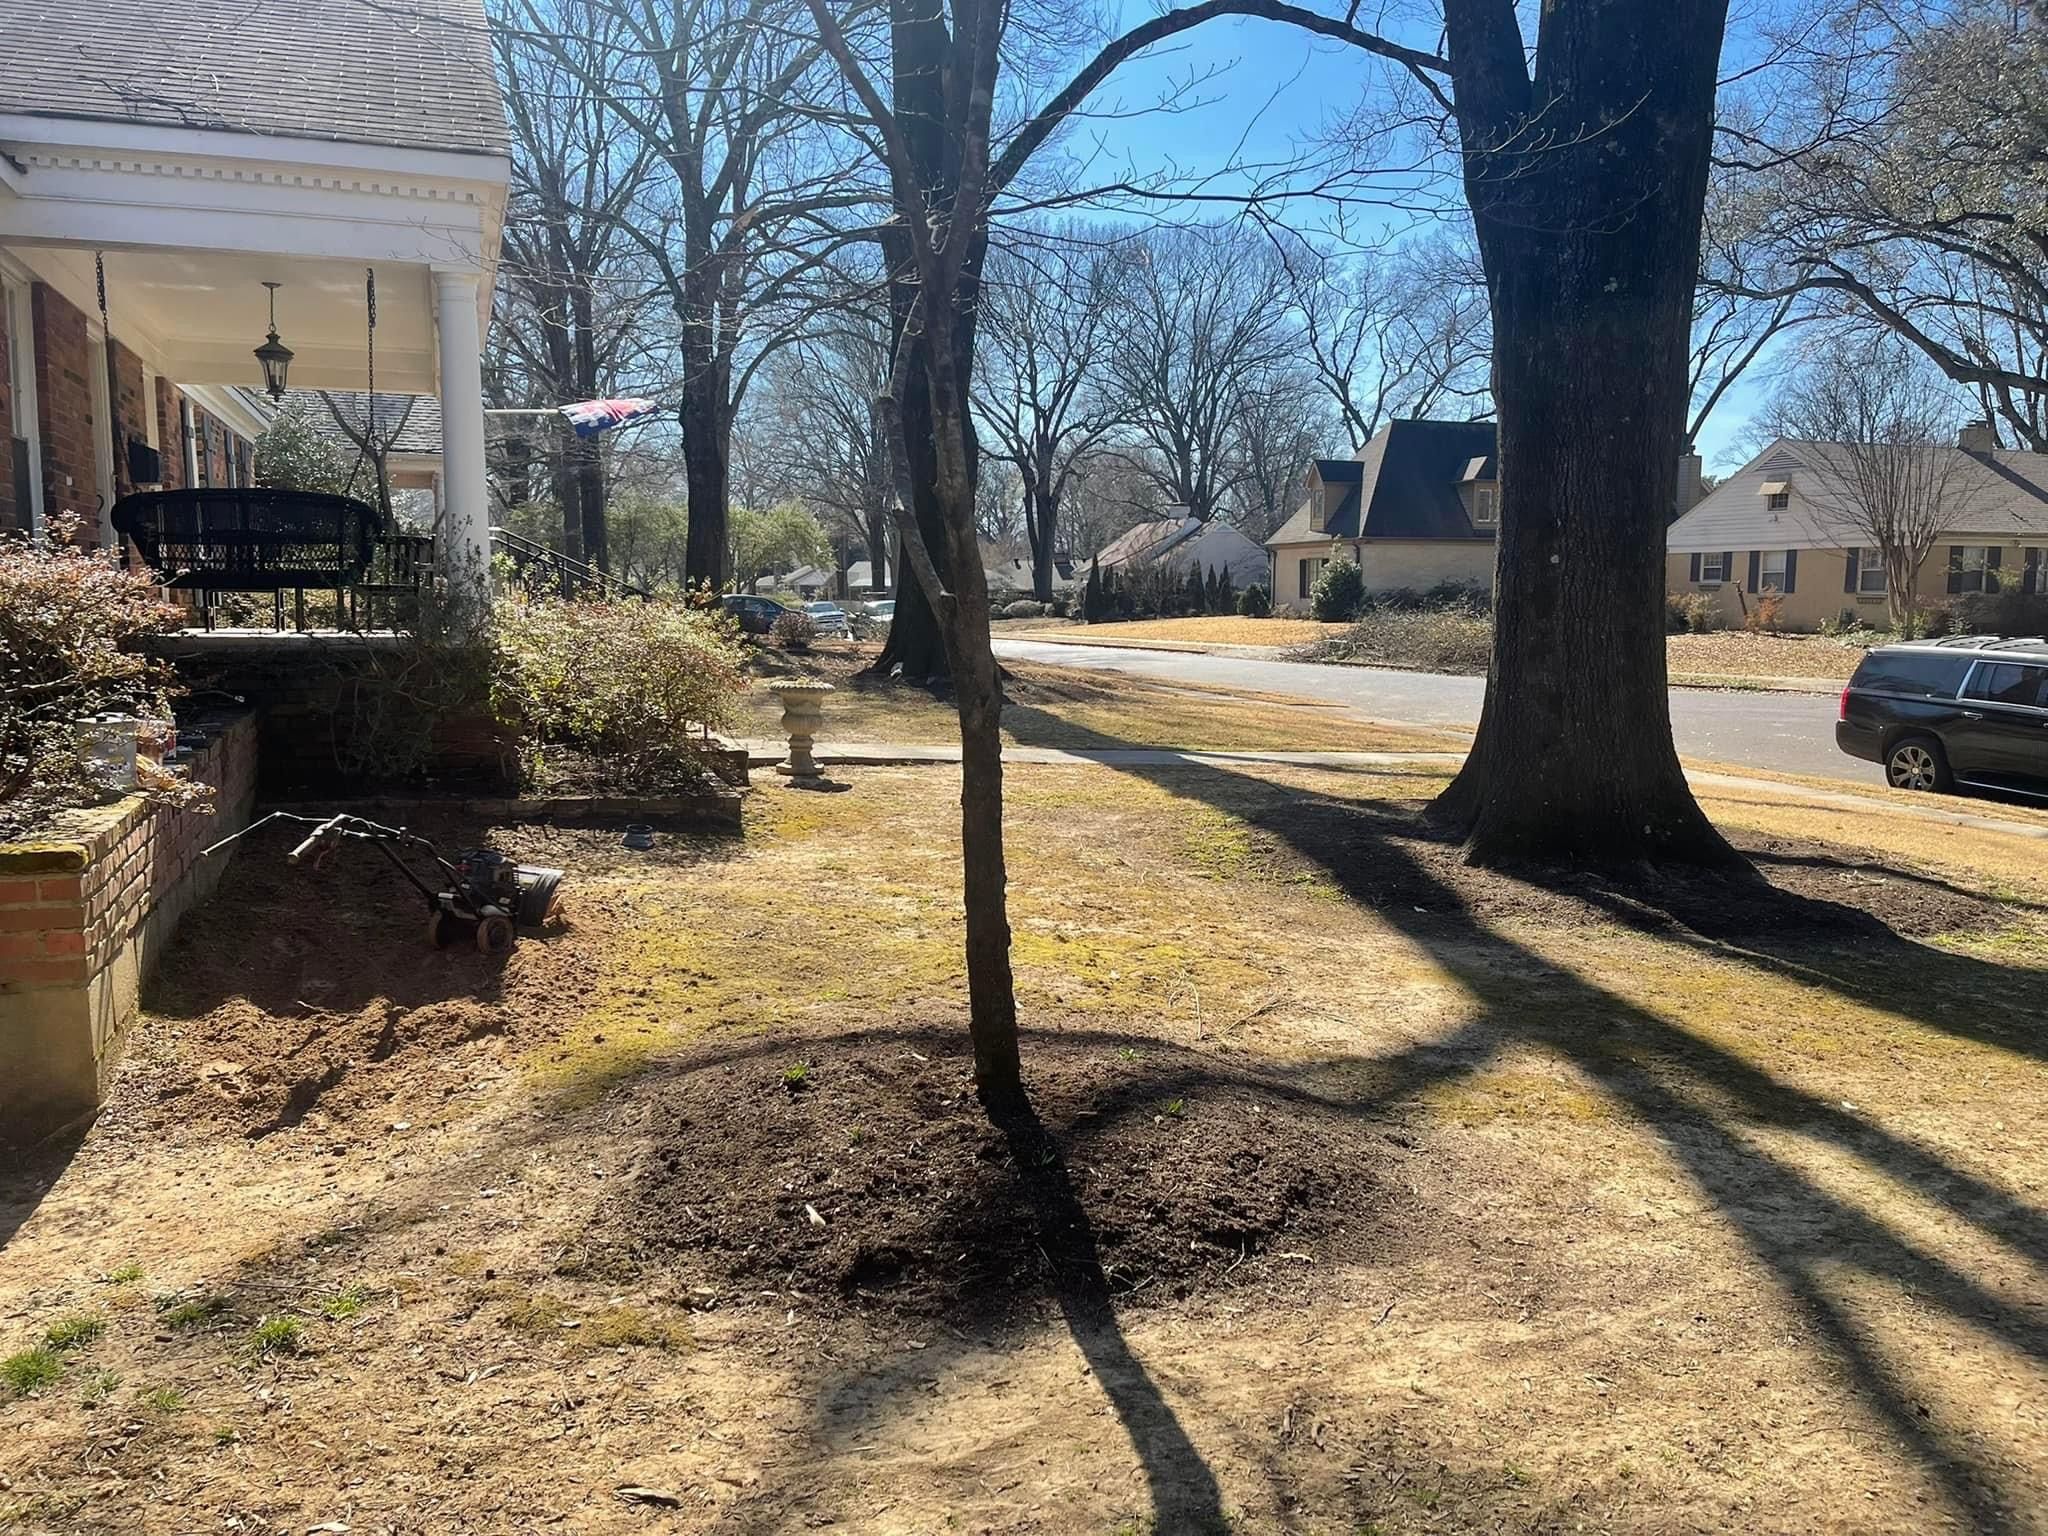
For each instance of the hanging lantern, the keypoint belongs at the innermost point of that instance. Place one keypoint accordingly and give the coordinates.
(274, 355)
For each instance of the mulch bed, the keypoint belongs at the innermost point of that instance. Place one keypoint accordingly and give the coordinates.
(860, 1173)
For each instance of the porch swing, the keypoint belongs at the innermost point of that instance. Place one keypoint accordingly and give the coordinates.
(207, 539)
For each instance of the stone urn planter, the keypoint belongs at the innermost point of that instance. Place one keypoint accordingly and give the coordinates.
(803, 711)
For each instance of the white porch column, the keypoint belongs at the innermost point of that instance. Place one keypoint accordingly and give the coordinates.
(465, 533)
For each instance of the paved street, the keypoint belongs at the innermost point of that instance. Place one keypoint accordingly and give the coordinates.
(1789, 732)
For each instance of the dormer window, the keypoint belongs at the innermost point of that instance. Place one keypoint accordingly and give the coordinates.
(1777, 495)
(1485, 511)
(1318, 517)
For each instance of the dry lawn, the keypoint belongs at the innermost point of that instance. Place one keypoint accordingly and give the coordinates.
(1737, 653)
(1067, 707)
(1662, 1211)
(1218, 630)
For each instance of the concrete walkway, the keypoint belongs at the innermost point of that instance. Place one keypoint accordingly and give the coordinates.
(869, 754)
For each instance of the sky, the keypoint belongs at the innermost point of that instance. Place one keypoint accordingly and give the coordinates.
(1255, 92)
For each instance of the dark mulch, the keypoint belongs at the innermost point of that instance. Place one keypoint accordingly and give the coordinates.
(1150, 1173)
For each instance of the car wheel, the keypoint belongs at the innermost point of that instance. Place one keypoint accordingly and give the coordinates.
(1917, 763)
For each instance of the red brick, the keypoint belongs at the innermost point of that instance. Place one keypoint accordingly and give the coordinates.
(43, 973)
(20, 946)
(67, 943)
(16, 893)
(62, 888)
(35, 919)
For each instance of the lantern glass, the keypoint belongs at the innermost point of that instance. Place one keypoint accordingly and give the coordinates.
(276, 359)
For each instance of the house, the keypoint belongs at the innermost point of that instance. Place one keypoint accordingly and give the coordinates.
(1014, 577)
(202, 164)
(1786, 522)
(1416, 507)
(808, 582)
(1180, 545)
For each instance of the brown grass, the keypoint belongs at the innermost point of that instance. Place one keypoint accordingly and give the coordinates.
(1218, 630)
(1737, 653)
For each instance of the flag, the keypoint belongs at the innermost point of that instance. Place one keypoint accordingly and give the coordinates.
(590, 417)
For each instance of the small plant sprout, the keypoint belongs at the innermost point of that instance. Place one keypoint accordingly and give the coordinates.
(796, 1077)
(190, 1311)
(31, 1370)
(1176, 1107)
(344, 1304)
(125, 1274)
(98, 1388)
(277, 1336)
(70, 1332)
(162, 1400)
(225, 1434)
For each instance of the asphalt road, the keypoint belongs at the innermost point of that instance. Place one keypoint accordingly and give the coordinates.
(1789, 732)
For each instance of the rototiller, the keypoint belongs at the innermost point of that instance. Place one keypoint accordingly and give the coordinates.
(486, 895)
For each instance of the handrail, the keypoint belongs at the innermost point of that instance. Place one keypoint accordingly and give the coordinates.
(573, 575)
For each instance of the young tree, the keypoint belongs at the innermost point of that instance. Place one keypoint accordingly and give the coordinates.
(1895, 482)
(1045, 311)
(780, 539)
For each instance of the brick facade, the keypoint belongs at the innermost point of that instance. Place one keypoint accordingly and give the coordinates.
(170, 433)
(64, 404)
(84, 915)
(131, 410)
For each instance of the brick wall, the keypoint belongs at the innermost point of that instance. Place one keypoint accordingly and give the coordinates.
(170, 433)
(131, 410)
(84, 915)
(64, 402)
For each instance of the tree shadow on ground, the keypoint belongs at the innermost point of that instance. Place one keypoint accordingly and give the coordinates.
(1699, 1099)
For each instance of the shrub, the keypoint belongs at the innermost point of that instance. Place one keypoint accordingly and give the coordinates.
(2003, 613)
(1253, 603)
(1023, 608)
(1701, 616)
(70, 622)
(1339, 592)
(1763, 615)
(1440, 640)
(1935, 620)
(632, 685)
(1459, 596)
(794, 630)
(1058, 606)
(1675, 618)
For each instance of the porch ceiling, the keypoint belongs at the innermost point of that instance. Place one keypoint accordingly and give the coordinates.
(199, 315)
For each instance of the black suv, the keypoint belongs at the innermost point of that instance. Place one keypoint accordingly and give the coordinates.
(756, 615)
(1940, 713)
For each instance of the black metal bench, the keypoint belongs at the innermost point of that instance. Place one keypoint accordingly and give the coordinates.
(257, 539)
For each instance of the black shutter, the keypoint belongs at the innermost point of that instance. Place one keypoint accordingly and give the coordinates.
(1727, 565)
(1849, 572)
(1791, 571)
(1955, 567)
(1756, 565)
(1991, 564)
(1694, 574)
(1304, 578)
(2030, 580)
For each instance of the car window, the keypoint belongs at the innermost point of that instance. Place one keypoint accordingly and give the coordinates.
(1917, 674)
(2009, 682)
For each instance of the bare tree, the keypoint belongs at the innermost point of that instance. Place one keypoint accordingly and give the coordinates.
(1046, 309)
(1283, 421)
(1202, 316)
(1892, 481)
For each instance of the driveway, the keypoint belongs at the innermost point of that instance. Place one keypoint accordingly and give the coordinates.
(1789, 732)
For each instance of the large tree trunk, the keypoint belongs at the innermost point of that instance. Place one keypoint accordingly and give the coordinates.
(707, 471)
(1587, 188)
(1041, 520)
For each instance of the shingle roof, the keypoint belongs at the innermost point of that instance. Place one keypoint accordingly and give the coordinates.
(416, 418)
(1408, 486)
(2000, 494)
(415, 74)
(1147, 541)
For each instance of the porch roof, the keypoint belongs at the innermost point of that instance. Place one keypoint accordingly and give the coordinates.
(411, 74)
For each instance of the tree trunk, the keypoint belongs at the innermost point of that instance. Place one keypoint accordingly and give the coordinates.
(707, 471)
(1591, 248)
(991, 988)
(1041, 519)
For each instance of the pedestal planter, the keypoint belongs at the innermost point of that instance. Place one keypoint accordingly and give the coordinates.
(803, 711)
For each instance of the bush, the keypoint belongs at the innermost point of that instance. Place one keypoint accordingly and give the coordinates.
(1763, 615)
(70, 622)
(1339, 592)
(1934, 620)
(1694, 612)
(1440, 640)
(632, 685)
(1022, 608)
(794, 630)
(2003, 613)
(1253, 603)
(1058, 606)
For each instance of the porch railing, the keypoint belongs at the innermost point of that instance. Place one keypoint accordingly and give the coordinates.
(535, 564)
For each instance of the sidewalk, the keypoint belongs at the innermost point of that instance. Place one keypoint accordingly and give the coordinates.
(865, 754)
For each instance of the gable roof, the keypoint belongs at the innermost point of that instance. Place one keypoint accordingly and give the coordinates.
(2001, 494)
(418, 428)
(1408, 486)
(1147, 541)
(412, 74)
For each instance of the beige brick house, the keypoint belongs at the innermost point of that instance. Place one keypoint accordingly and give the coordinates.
(1785, 523)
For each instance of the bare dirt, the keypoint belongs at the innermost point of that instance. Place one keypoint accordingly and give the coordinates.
(863, 1173)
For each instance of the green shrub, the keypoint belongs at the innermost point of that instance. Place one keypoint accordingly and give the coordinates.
(630, 684)
(2002, 613)
(31, 1370)
(1253, 603)
(1339, 592)
(70, 622)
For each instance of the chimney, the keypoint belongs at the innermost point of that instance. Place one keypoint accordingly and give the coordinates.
(1976, 437)
(1692, 489)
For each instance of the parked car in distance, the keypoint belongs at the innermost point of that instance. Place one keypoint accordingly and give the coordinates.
(883, 612)
(830, 618)
(756, 615)
(1967, 711)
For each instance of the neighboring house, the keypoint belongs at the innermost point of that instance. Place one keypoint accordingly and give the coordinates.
(410, 423)
(1180, 545)
(1013, 578)
(808, 582)
(203, 152)
(1416, 507)
(1784, 522)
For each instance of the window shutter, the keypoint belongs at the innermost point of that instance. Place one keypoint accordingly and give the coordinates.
(1991, 564)
(1756, 565)
(1791, 571)
(1955, 567)
(1727, 565)
(1849, 572)
(1304, 578)
(1694, 574)
(2030, 579)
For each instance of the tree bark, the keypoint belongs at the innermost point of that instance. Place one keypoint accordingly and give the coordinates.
(1587, 186)
(1041, 526)
(707, 478)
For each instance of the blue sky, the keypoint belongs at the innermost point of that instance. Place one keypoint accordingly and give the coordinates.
(1260, 93)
